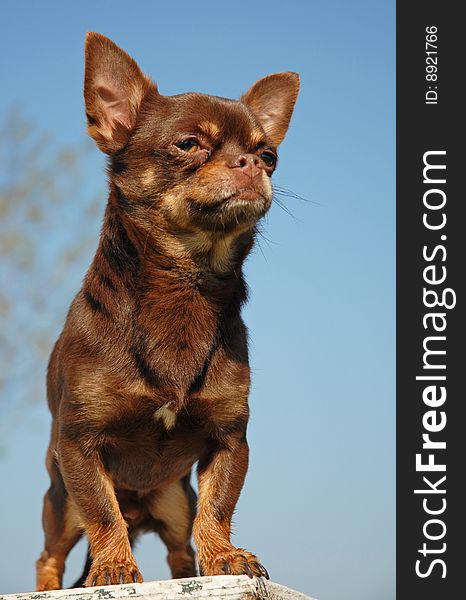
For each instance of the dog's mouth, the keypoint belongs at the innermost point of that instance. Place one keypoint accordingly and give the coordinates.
(243, 198)
(241, 208)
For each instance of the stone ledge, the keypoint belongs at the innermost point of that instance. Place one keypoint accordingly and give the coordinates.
(231, 587)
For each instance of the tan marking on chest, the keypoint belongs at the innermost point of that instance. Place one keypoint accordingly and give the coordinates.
(167, 416)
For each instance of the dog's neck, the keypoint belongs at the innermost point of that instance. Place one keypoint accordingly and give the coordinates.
(193, 252)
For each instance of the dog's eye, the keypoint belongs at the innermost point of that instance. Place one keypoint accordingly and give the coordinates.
(189, 145)
(269, 159)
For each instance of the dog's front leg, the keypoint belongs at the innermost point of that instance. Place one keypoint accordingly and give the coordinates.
(92, 490)
(221, 474)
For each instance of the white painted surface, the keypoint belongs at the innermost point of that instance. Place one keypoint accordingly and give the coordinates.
(231, 587)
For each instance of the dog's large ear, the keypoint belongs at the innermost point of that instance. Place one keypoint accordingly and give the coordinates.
(114, 87)
(272, 100)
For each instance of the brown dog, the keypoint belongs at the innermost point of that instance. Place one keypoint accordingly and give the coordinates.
(150, 373)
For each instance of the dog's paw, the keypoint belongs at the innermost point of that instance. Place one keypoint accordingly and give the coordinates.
(111, 573)
(235, 562)
(48, 573)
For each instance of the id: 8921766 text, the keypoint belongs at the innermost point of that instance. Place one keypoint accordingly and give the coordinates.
(431, 96)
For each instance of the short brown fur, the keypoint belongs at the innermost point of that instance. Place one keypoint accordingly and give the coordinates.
(150, 374)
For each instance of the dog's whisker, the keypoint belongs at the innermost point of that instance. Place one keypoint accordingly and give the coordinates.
(284, 207)
(290, 194)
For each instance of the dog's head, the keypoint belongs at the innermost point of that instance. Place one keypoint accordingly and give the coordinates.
(203, 162)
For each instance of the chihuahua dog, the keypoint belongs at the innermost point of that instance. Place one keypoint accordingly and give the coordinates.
(150, 374)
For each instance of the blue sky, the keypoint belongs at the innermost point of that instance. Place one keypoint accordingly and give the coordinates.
(319, 502)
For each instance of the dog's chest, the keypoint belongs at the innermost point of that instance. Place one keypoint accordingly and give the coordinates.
(176, 332)
(148, 449)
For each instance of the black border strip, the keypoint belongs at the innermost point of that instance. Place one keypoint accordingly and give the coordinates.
(434, 128)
